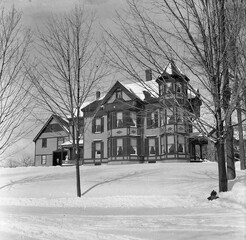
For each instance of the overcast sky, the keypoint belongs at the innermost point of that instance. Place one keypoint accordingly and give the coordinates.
(36, 11)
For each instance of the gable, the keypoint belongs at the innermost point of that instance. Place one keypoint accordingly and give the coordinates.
(126, 94)
(53, 125)
(124, 97)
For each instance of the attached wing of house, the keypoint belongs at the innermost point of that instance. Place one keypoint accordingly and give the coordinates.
(49, 140)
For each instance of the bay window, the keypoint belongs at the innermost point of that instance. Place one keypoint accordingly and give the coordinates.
(170, 116)
(119, 119)
(163, 144)
(181, 144)
(133, 146)
(152, 119)
(119, 146)
(171, 144)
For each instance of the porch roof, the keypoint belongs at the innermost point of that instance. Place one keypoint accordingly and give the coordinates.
(70, 143)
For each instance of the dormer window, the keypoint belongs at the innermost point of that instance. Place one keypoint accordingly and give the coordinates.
(178, 88)
(161, 90)
(118, 93)
(169, 87)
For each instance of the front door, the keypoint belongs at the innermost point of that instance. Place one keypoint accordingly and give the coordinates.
(58, 156)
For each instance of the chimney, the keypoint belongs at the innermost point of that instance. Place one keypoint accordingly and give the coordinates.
(148, 74)
(98, 95)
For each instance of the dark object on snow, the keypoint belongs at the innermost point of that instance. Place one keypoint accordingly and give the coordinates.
(213, 196)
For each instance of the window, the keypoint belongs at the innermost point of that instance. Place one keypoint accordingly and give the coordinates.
(152, 147)
(119, 146)
(98, 125)
(97, 149)
(178, 88)
(171, 144)
(133, 119)
(133, 146)
(119, 119)
(118, 93)
(169, 87)
(170, 116)
(163, 144)
(152, 119)
(163, 117)
(181, 144)
(161, 90)
(44, 143)
(60, 141)
(43, 159)
(180, 116)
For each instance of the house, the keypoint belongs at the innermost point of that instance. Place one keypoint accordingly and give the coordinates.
(49, 140)
(142, 122)
(146, 121)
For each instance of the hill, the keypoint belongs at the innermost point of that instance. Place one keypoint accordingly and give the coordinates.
(137, 201)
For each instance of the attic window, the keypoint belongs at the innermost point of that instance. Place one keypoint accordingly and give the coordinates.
(118, 93)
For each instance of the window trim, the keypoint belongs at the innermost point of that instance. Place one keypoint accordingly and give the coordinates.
(118, 93)
(43, 159)
(44, 142)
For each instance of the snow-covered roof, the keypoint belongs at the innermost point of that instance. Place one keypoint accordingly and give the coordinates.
(138, 88)
(84, 104)
(70, 143)
(172, 69)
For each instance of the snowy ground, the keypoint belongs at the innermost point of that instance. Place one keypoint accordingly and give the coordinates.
(120, 202)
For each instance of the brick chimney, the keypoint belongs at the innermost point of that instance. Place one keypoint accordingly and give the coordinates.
(98, 94)
(148, 74)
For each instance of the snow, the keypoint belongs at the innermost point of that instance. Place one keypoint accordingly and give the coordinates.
(135, 201)
(138, 88)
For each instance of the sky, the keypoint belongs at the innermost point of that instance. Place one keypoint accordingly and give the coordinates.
(34, 14)
(36, 11)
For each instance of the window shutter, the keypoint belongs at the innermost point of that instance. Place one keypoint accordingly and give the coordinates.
(157, 146)
(126, 119)
(102, 124)
(102, 149)
(93, 150)
(113, 123)
(139, 150)
(125, 146)
(114, 147)
(109, 147)
(108, 121)
(146, 147)
(156, 119)
(93, 125)
(148, 119)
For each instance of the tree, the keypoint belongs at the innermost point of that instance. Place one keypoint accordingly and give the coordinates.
(194, 33)
(15, 100)
(70, 67)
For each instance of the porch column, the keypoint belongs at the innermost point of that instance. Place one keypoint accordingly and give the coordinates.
(201, 157)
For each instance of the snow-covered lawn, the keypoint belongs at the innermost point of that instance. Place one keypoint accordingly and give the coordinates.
(137, 201)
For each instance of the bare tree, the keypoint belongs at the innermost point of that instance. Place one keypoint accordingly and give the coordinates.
(15, 100)
(194, 33)
(71, 65)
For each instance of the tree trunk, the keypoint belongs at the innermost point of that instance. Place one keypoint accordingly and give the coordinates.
(241, 142)
(220, 146)
(231, 173)
(221, 166)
